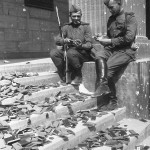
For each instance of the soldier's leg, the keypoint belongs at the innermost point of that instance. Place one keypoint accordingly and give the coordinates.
(117, 64)
(76, 60)
(57, 56)
(100, 56)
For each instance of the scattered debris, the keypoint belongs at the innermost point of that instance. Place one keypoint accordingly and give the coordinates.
(114, 137)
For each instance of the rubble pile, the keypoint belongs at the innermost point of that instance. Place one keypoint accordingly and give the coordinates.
(9, 88)
(30, 138)
(33, 136)
(114, 137)
(22, 109)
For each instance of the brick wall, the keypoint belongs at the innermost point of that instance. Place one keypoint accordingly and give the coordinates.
(26, 31)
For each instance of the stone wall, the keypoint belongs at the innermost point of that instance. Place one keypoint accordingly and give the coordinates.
(27, 31)
(133, 88)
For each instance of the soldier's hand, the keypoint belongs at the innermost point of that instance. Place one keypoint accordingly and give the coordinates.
(67, 40)
(96, 36)
(59, 47)
(77, 43)
(99, 38)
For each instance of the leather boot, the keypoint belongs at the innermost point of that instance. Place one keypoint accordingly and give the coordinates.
(61, 74)
(102, 83)
(113, 101)
(78, 77)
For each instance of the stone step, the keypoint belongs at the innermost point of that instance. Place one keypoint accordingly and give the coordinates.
(60, 111)
(82, 132)
(39, 65)
(43, 78)
(41, 95)
(145, 143)
(142, 128)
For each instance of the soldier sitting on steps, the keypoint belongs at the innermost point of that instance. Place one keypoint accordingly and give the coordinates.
(117, 50)
(78, 52)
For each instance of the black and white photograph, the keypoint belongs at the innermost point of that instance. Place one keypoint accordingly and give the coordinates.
(74, 74)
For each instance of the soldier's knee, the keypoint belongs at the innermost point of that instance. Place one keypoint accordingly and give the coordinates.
(52, 53)
(70, 54)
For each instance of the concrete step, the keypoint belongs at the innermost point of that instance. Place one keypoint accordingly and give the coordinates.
(11, 61)
(39, 65)
(82, 132)
(43, 78)
(145, 143)
(60, 111)
(142, 128)
(41, 95)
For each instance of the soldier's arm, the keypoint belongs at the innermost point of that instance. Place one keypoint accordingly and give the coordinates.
(131, 28)
(87, 45)
(60, 40)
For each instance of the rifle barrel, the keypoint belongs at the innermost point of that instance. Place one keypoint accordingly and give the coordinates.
(57, 16)
(64, 47)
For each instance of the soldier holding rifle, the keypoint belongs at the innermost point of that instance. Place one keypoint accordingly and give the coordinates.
(77, 36)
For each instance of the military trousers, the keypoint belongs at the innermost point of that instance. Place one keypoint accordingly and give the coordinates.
(117, 62)
(76, 58)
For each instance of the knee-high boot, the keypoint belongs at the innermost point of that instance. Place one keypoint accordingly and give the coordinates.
(102, 83)
(113, 101)
(61, 73)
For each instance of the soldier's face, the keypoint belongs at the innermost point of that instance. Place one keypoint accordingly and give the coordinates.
(114, 7)
(76, 18)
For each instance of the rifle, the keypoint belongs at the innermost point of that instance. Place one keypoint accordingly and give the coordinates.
(65, 49)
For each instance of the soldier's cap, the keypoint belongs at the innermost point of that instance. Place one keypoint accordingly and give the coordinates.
(74, 9)
(106, 2)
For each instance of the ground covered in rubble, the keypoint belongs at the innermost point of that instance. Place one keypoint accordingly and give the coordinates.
(33, 136)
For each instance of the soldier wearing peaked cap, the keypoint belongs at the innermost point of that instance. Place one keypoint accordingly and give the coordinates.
(117, 51)
(78, 52)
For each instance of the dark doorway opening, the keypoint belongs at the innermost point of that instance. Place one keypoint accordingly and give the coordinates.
(148, 19)
(43, 4)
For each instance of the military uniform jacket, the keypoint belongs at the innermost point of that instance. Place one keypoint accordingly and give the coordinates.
(122, 30)
(73, 32)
